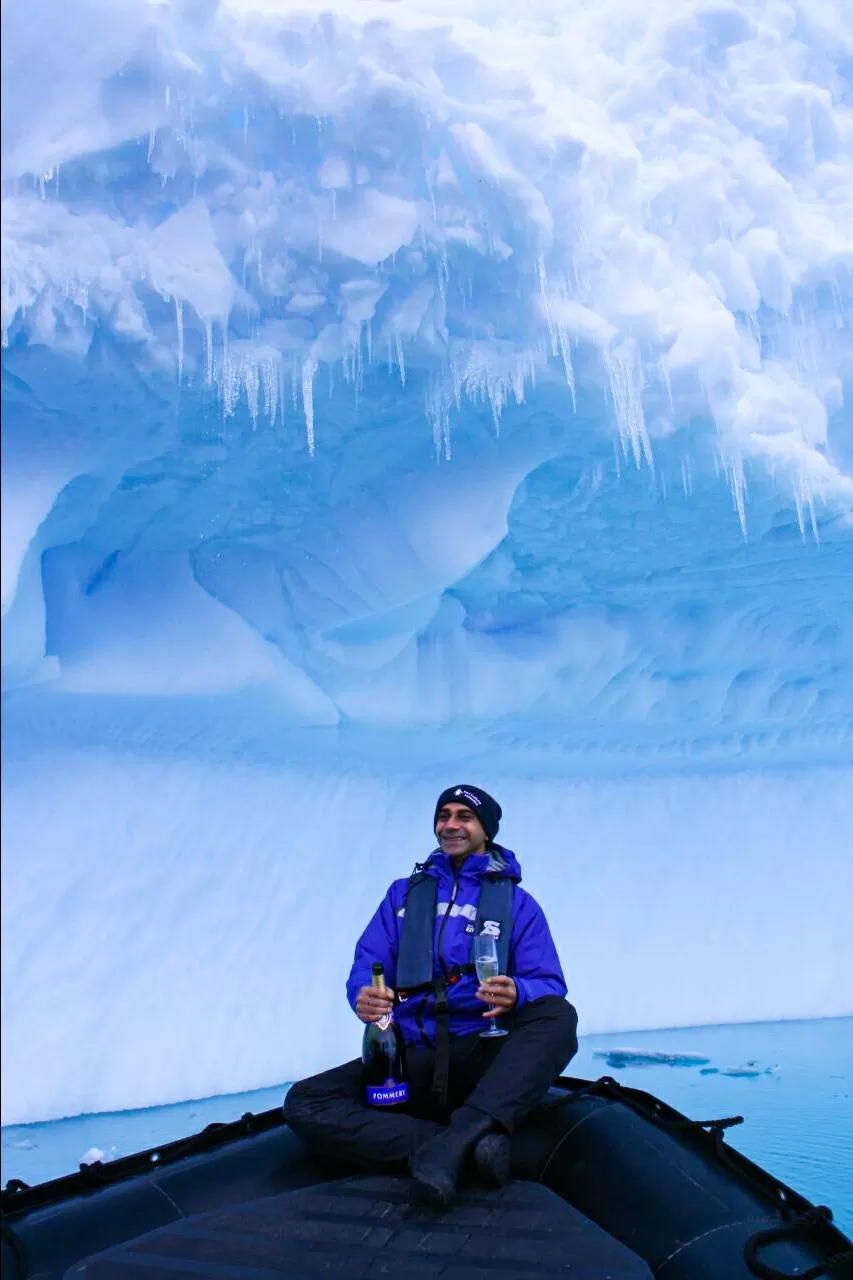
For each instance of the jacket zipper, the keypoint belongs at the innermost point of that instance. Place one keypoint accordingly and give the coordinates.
(444, 920)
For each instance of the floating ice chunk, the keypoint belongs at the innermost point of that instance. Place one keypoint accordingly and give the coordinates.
(649, 1057)
(747, 1070)
(93, 1156)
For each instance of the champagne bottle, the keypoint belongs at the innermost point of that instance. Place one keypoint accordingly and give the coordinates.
(384, 1056)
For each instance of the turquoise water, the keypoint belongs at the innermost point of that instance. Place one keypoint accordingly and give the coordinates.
(793, 1082)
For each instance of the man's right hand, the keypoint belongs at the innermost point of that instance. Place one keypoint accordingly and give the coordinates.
(373, 1003)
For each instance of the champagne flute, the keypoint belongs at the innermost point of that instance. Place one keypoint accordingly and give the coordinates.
(488, 966)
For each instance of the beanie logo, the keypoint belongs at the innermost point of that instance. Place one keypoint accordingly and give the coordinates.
(491, 929)
(468, 796)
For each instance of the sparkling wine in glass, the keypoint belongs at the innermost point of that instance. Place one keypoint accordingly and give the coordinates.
(488, 966)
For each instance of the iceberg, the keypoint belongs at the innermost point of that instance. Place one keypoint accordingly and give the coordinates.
(399, 392)
(619, 1058)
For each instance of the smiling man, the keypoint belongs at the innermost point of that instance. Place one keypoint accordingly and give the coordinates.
(466, 1093)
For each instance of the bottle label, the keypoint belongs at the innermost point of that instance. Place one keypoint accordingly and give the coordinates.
(389, 1094)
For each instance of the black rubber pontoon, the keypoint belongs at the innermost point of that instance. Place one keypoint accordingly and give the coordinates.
(608, 1182)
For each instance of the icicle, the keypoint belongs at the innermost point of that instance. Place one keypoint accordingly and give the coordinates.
(837, 303)
(179, 324)
(664, 373)
(208, 352)
(813, 518)
(269, 377)
(566, 353)
(309, 368)
(228, 384)
(543, 291)
(364, 330)
(152, 140)
(168, 95)
(804, 498)
(252, 381)
(625, 375)
(443, 275)
(438, 414)
(686, 477)
(737, 484)
(400, 359)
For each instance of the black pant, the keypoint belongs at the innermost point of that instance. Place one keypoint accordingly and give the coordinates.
(503, 1078)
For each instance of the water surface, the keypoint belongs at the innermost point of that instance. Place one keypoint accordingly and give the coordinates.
(792, 1081)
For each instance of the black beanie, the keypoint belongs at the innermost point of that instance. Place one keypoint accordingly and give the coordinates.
(479, 801)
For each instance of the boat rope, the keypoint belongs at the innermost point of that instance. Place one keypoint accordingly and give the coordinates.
(712, 1126)
(839, 1264)
(608, 1086)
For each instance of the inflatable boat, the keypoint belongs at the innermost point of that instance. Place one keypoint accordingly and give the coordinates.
(607, 1182)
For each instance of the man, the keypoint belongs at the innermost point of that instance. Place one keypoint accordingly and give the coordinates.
(466, 1093)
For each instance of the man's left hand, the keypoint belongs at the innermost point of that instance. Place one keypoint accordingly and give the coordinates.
(500, 992)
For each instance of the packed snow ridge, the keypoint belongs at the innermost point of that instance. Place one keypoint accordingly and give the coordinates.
(349, 345)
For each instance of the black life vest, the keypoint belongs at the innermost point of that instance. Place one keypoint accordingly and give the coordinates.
(415, 961)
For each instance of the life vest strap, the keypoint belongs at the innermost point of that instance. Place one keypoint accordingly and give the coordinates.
(416, 960)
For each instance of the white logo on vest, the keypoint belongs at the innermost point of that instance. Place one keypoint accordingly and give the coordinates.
(491, 929)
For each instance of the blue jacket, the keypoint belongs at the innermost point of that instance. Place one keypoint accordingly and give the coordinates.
(532, 962)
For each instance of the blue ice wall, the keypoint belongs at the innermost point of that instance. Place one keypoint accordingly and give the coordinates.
(392, 391)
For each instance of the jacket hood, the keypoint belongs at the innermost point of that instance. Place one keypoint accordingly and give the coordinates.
(495, 861)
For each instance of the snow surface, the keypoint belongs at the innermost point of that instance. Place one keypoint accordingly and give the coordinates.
(392, 391)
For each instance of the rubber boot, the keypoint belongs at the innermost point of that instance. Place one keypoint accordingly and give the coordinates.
(435, 1167)
(492, 1159)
